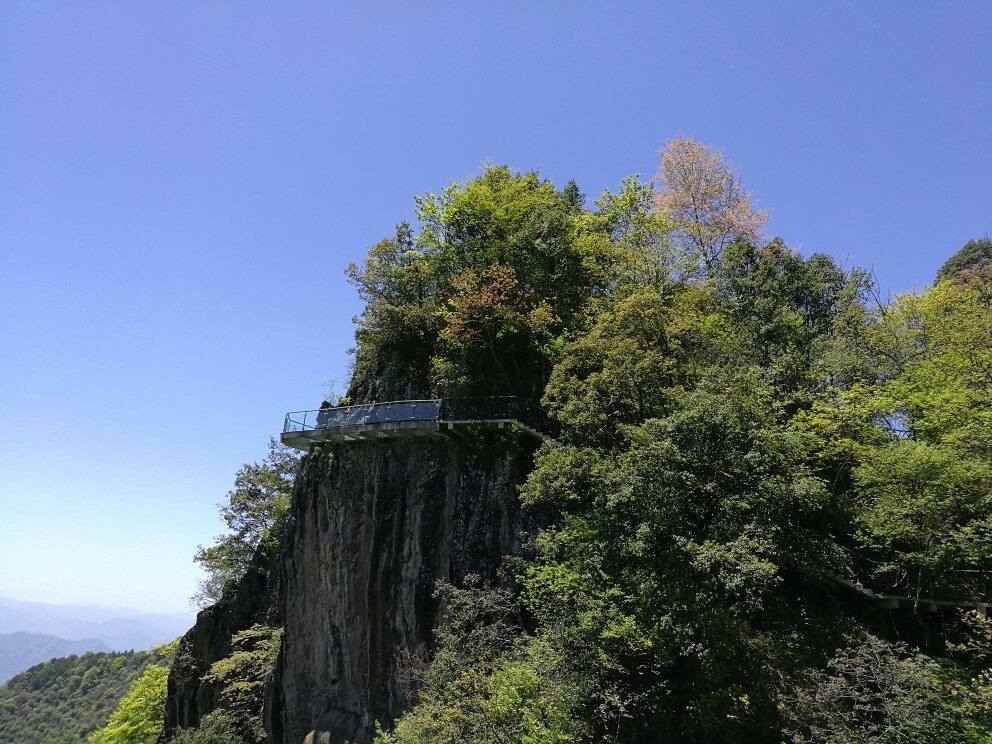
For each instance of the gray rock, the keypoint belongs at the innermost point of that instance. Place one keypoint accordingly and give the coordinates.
(373, 527)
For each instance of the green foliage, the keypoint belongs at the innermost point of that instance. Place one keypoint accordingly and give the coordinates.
(397, 331)
(636, 356)
(641, 252)
(255, 513)
(63, 701)
(788, 307)
(138, 717)
(217, 727)
(911, 451)
(139, 714)
(927, 514)
(238, 682)
(738, 424)
(976, 254)
(875, 691)
(488, 681)
(241, 679)
(672, 576)
(476, 301)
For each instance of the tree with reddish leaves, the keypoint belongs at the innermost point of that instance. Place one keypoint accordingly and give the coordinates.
(702, 195)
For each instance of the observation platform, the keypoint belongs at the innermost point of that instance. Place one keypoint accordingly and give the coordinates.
(412, 418)
(923, 605)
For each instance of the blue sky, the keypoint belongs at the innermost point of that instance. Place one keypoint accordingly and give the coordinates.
(182, 185)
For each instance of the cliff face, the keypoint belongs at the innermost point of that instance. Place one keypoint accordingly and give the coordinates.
(373, 527)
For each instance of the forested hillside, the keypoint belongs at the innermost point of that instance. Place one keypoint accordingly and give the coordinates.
(19, 651)
(64, 700)
(766, 513)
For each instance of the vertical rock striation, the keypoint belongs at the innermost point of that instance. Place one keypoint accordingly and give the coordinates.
(374, 526)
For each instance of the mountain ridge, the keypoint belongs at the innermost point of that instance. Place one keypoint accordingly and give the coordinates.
(118, 628)
(22, 650)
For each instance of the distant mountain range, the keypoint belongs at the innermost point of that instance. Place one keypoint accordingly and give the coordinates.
(27, 629)
(20, 651)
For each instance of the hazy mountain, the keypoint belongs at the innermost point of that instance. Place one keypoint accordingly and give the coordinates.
(20, 651)
(119, 628)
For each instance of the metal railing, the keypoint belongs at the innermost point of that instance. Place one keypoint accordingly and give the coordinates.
(368, 413)
(440, 409)
(952, 585)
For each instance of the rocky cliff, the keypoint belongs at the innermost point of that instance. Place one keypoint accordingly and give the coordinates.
(256, 599)
(373, 527)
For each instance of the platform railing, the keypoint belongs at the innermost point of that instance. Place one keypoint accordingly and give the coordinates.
(358, 415)
(439, 409)
(972, 583)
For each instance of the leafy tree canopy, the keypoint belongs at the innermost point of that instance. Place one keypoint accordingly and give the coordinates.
(255, 512)
(500, 268)
(241, 676)
(739, 424)
(974, 255)
(139, 715)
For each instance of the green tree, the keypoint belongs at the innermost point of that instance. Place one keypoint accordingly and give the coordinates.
(140, 713)
(635, 357)
(975, 254)
(255, 513)
(672, 564)
(487, 313)
(911, 448)
(489, 682)
(926, 517)
(397, 330)
(216, 727)
(790, 309)
(643, 251)
(873, 691)
(476, 301)
(241, 677)
(138, 717)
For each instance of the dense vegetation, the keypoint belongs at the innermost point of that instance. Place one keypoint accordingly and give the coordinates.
(64, 700)
(240, 676)
(975, 255)
(740, 424)
(741, 427)
(138, 717)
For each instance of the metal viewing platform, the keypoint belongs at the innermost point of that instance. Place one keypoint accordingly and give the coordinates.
(918, 604)
(412, 418)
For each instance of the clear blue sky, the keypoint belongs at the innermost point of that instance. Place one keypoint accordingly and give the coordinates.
(182, 185)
